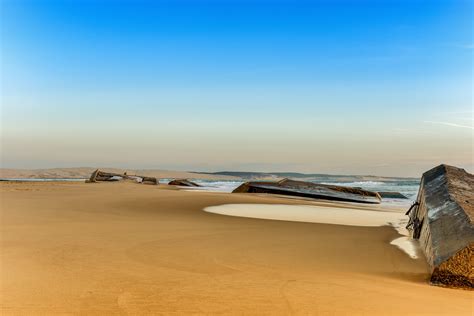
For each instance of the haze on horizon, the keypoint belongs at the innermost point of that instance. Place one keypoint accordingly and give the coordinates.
(341, 87)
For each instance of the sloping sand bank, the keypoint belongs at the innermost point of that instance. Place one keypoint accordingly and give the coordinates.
(120, 248)
(325, 215)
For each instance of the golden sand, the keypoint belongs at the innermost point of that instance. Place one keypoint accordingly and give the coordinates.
(129, 249)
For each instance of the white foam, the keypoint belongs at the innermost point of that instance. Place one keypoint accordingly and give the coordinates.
(322, 215)
(218, 186)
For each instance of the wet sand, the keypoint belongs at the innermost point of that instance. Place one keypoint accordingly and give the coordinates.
(124, 248)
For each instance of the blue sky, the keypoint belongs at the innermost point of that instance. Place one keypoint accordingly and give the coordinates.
(380, 87)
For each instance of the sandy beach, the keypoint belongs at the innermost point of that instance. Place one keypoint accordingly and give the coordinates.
(129, 249)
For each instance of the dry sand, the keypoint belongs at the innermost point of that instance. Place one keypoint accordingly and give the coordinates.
(124, 248)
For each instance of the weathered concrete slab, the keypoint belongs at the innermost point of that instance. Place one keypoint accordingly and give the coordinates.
(98, 175)
(310, 190)
(442, 220)
(183, 182)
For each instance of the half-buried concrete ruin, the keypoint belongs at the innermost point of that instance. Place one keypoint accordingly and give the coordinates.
(99, 175)
(442, 220)
(310, 190)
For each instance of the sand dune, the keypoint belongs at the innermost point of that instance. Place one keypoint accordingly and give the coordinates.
(123, 248)
(85, 172)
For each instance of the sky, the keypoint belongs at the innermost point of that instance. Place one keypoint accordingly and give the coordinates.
(341, 87)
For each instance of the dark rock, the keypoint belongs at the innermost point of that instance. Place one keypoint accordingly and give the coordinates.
(183, 183)
(392, 195)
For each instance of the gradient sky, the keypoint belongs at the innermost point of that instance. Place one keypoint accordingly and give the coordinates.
(353, 87)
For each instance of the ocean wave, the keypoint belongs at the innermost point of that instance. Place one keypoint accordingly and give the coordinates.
(218, 186)
(356, 183)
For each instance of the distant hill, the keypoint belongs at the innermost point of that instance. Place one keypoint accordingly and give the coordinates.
(306, 176)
